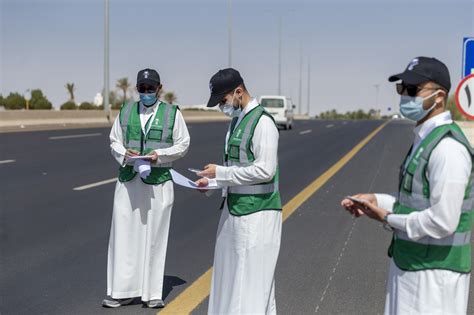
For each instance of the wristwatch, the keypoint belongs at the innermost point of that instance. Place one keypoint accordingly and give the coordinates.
(385, 223)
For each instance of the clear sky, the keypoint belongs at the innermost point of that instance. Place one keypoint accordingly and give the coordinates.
(353, 45)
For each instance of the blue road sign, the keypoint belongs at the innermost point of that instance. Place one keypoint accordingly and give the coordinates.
(468, 57)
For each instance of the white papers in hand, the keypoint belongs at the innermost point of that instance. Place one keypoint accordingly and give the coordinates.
(181, 180)
(143, 167)
(138, 157)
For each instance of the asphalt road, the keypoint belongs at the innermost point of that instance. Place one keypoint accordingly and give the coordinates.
(53, 239)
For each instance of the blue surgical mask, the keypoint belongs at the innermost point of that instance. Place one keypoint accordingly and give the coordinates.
(148, 99)
(229, 110)
(411, 107)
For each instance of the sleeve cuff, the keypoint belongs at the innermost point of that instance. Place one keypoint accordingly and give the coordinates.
(221, 173)
(385, 201)
(398, 221)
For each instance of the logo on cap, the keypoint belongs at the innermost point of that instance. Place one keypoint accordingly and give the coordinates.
(210, 86)
(145, 74)
(413, 63)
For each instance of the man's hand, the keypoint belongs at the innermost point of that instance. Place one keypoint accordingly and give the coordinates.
(202, 182)
(131, 153)
(352, 207)
(373, 211)
(368, 206)
(152, 156)
(209, 171)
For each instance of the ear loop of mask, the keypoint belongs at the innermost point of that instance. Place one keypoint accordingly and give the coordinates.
(434, 105)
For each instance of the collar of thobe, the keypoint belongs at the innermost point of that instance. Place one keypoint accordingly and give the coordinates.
(147, 110)
(251, 105)
(425, 128)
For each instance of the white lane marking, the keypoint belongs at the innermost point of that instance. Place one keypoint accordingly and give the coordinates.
(336, 265)
(7, 161)
(330, 126)
(104, 182)
(76, 136)
(354, 221)
(305, 132)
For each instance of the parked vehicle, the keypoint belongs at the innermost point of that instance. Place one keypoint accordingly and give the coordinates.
(281, 108)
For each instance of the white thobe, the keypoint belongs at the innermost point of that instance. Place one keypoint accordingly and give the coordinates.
(247, 246)
(432, 291)
(141, 219)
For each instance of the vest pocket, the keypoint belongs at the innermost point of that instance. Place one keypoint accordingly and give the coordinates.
(155, 134)
(234, 151)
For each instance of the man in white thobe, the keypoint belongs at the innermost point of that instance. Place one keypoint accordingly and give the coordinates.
(430, 266)
(143, 204)
(249, 232)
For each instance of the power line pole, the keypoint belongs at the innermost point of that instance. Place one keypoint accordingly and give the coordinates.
(279, 55)
(377, 86)
(230, 32)
(309, 86)
(300, 103)
(106, 59)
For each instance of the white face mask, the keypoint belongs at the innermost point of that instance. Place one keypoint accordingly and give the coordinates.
(412, 106)
(229, 109)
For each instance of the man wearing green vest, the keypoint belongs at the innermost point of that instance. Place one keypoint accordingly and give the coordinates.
(431, 216)
(143, 194)
(249, 233)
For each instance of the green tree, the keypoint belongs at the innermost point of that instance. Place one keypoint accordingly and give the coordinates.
(68, 106)
(2, 100)
(170, 97)
(15, 101)
(70, 89)
(39, 100)
(87, 105)
(451, 106)
(123, 85)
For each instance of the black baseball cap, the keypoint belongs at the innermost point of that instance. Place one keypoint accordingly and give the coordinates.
(148, 76)
(424, 69)
(222, 83)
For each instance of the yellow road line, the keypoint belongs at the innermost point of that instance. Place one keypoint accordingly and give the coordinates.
(199, 290)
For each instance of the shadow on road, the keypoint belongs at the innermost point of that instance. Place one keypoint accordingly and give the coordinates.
(169, 283)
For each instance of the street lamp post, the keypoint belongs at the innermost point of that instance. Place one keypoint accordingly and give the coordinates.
(309, 86)
(106, 59)
(377, 86)
(229, 29)
(279, 55)
(300, 89)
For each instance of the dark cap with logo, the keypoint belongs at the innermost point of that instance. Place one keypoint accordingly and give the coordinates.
(222, 83)
(424, 69)
(148, 76)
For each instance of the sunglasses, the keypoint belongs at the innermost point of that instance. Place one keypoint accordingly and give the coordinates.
(146, 89)
(412, 90)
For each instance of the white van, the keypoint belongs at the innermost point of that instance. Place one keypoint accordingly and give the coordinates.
(281, 108)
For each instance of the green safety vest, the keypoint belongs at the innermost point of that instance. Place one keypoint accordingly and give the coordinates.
(160, 135)
(452, 252)
(247, 199)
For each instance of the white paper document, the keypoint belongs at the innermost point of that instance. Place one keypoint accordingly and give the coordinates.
(139, 157)
(181, 180)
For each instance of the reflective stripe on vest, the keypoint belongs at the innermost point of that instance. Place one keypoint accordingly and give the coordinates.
(125, 115)
(254, 189)
(456, 239)
(243, 156)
